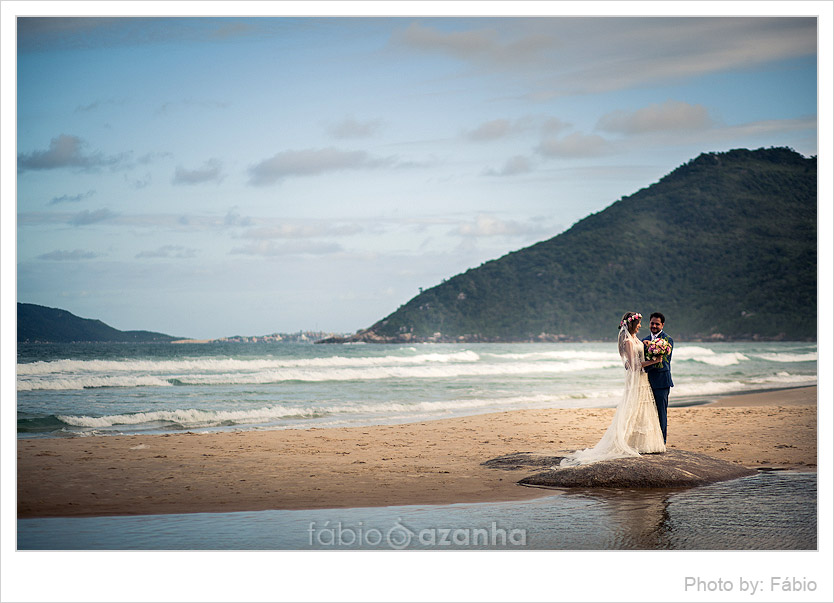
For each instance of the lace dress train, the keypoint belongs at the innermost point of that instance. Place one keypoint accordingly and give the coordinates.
(635, 428)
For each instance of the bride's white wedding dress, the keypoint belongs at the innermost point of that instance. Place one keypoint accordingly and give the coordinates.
(635, 428)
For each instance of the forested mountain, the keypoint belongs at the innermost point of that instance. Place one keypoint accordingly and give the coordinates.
(725, 246)
(42, 324)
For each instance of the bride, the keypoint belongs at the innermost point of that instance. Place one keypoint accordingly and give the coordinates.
(635, 428)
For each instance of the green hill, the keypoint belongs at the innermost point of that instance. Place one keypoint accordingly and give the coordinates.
(42, 324)
(725, 246)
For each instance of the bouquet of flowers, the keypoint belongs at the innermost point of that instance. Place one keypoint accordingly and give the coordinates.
(659, 348)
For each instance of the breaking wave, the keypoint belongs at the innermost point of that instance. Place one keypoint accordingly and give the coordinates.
(246, 372)
(195, 418)
(232, 364)
(707, 356)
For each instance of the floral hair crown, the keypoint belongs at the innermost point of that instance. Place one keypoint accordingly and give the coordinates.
(630, 318)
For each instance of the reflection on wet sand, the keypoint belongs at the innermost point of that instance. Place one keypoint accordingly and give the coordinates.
(774, 512)
(632, 519)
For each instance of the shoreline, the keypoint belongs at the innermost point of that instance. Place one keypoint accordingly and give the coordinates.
(430, 462)
(800, 394)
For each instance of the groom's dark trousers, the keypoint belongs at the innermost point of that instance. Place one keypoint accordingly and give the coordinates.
(660, 379)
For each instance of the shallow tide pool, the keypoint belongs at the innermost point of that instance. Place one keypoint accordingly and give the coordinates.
(768, 511)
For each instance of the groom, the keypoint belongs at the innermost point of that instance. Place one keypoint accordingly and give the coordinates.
(660, 376)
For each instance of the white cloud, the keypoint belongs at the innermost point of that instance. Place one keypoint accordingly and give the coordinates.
(491, 130)
(234, 218)
(144, 29)
(169, 252)
(211, 171)
(91, 217)
(151, 157)
(565, 56)
(65, 151)
(502, 128)
(302, 231)
(259, 228)
(311, 162)
(300, 247)
(518, 164)
(352, 128)
(461, 44)
(481, 46)
(755, 134)
(574, 145)
(95, 105)
(770, 126)
(485, 225)
(72, 198)
(74, 255)
(671, 116)
(554, 125)
(139, 183)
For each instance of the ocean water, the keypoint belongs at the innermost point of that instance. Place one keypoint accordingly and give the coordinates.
(768, 511)
(72, 390)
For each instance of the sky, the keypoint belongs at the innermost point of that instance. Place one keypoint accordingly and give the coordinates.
(216, 176)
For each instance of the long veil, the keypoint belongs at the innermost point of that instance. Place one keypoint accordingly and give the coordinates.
(614, 444)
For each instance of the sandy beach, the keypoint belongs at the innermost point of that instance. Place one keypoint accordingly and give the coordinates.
(432, 462)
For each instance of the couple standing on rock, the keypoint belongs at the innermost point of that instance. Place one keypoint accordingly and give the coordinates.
(639, 424)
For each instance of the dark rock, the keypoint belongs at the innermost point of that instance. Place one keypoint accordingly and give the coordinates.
(672, 469)
(520, 460)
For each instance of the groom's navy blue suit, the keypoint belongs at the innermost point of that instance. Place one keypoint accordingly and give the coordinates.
(660, 378)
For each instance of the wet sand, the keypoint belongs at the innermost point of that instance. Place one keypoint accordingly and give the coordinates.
(431, 462)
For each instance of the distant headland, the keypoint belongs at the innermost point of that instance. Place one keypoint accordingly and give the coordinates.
(41, 324)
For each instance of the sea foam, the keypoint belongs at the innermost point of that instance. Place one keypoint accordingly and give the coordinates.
(232, 364)
(707, 356)
(237, 372)
(195, 418)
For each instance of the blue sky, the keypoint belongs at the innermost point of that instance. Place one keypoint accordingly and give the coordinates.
(207, 177)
